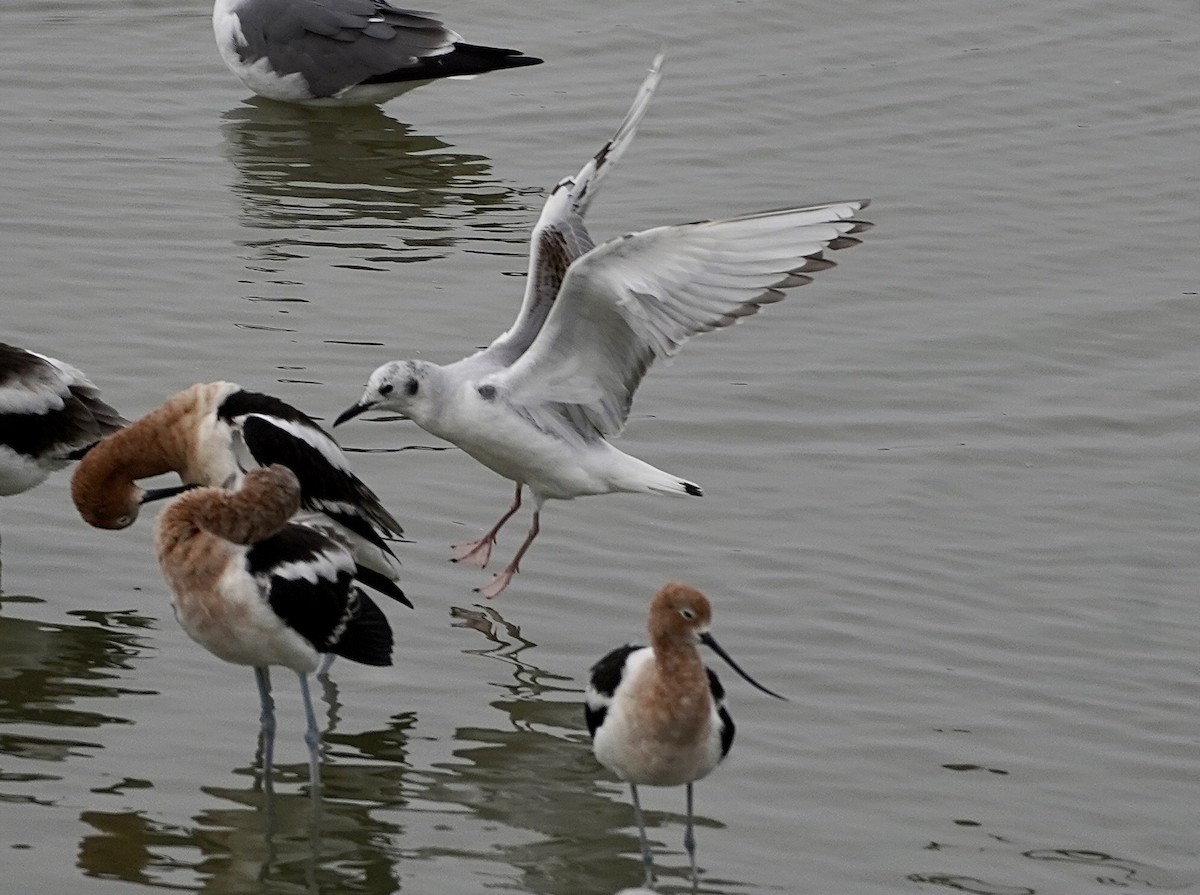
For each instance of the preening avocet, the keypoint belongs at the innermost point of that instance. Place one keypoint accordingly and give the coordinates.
(50, 414)
(255, 589)
(538, 405)
(656, 714)
(344, 52)
(208, 434)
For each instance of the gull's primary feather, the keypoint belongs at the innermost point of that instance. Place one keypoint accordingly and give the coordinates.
(638, 298)
(561, 236)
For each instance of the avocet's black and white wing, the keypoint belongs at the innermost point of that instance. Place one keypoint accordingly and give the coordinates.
(268, 430)
(603, 681)
(307, 578)
(50, 414)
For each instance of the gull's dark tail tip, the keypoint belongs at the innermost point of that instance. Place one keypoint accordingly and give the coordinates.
(476, 59)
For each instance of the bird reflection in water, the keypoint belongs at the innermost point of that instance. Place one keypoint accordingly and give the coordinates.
(535, 779)
(512, 798)
(361, 182)
(50, 671)
(256, 839)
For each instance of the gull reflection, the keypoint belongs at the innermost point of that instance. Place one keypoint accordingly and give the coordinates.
(359, 181)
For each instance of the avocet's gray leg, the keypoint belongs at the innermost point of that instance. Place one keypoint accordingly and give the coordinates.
(326, 663)
(647, 861)
(311, 734)
(689, 838)
(262, 677)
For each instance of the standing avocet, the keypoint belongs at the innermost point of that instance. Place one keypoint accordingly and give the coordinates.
(208, 434)
(539, 405)
(255, 589)
(50, 414)
(656, 714)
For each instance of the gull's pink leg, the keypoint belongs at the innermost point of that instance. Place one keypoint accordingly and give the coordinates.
(477, 553)
(502, 579)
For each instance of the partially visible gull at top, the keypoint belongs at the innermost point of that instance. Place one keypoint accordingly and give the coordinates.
(344, 52)
(539, 404)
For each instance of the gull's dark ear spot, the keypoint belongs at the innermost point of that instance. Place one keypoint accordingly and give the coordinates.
(411, 387)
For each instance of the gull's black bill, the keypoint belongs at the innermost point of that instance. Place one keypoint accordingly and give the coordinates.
(351, 412)
(707, 640)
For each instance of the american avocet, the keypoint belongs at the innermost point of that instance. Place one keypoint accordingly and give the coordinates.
(538, 405)
(656, 714)
(344, 52)
(50, 414)
(255, 589)
(208, 434)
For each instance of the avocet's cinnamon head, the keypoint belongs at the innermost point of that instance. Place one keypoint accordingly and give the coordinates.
(103, 495)
(275, 491)
(104, 486)
(679, 619)
(679, 612)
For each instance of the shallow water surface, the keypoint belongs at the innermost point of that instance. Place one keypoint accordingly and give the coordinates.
(950, 487)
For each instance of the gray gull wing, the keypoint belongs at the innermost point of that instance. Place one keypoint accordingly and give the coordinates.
(638, 298)
(561, 236)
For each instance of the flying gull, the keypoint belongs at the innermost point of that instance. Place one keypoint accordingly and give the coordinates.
(539, 404)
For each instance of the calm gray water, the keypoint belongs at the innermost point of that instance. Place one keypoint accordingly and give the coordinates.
(951, 488)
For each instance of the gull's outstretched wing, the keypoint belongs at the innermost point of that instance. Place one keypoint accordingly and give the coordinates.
(638, 298)
(560, 235)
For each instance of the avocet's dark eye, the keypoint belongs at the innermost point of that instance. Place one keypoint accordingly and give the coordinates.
(386, 389)
(688, 614)
(411, 386)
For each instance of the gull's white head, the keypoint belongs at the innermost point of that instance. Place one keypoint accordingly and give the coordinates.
(401, 386)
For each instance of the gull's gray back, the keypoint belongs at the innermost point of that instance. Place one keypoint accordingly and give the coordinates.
(338, 43)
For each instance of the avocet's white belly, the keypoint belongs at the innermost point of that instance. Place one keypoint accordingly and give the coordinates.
(19, 472)
(638, 742)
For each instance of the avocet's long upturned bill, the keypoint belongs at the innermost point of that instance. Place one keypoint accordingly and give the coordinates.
(656, 714)
(344, 52)
(50, 414)
(538, 405)
(255, 589)
(208, 434)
